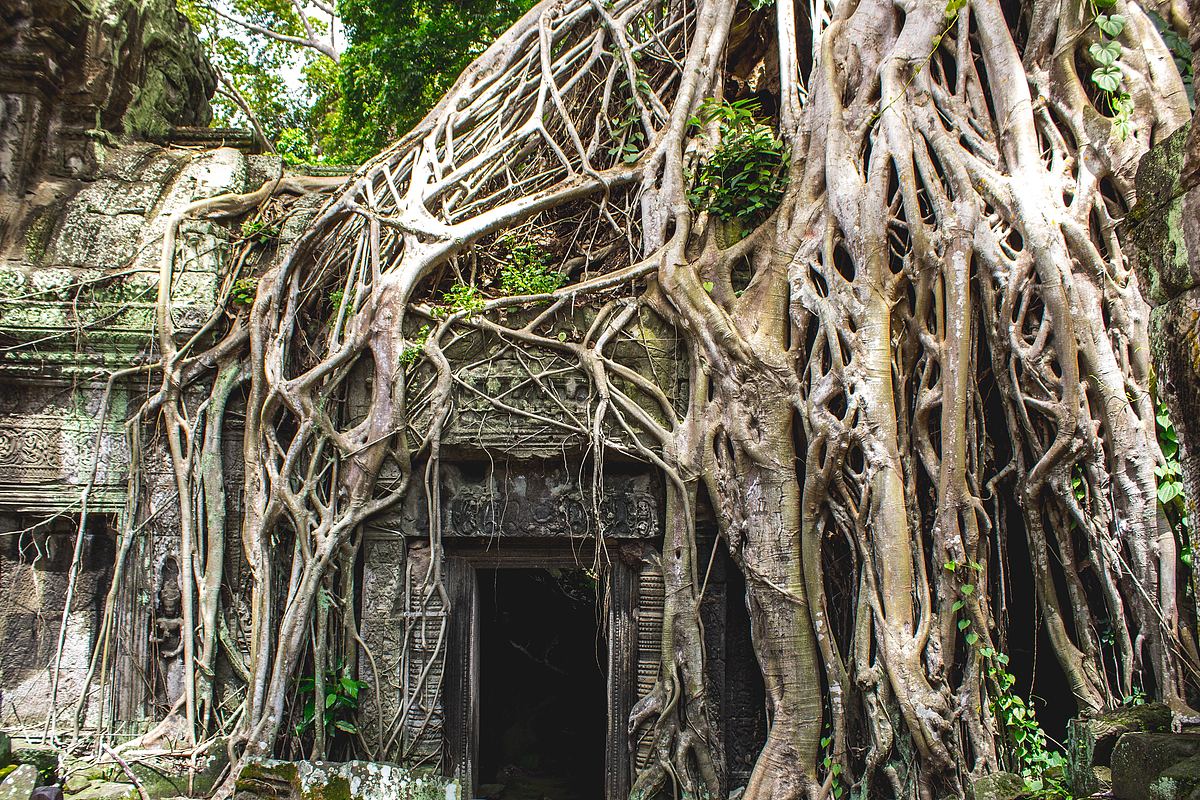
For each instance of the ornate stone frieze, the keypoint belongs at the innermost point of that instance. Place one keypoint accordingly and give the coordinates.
(536, 500)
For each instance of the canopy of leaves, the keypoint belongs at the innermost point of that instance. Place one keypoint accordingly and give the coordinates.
(403, 55)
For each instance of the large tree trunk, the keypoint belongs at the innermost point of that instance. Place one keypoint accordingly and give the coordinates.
(948, 229)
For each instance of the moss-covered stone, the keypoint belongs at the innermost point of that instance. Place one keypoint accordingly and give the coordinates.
(1090, 743)
(1140, 761)
(43, 759)
(106, 790)
(1155, 225)
(161, 776)
(349, 780)
(999, 786)
(19, 785)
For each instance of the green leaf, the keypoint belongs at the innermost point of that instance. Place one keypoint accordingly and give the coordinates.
(1107, 78)
(1105, 54)
(958, 606)
(1167, 492)
(968, 589)
(708, 286)
(963, 624)
(330, 699)
(348, 727)
(972, 638)
(1111, 25)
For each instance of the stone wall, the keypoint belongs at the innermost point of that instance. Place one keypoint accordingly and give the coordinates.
(1164, 230)
(77, 74)
(78, 289)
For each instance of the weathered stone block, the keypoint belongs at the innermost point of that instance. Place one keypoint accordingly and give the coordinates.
(47, 793)
(1090, 743)
(999, 786)
(19, 785)
(349, 780)
(76, 783)
(1181, 780)
(1140, 759)
(106, 790)
(43, 759)
(162, 776)
(1157, 223)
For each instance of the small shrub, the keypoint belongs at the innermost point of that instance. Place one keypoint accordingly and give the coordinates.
(528, 272)
(259, 231)
(460, 297)
(410, 354)
(340, 702)
(244, 290)
(745, 175)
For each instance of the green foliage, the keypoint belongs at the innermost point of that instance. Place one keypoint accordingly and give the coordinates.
(340, 701)
(259, 230)
(1181, 52)
(1027, 749)
(402, 57)
(410, 354)
(745, 175)
(460, 298)
(528, 271)
(1106, 58)
(1170, 481)
(294, 147)
(244, 291)
(628, 137)
(336, 298)
(285, 86)
(838, 786)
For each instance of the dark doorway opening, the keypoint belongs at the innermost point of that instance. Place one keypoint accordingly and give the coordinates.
(542, 693)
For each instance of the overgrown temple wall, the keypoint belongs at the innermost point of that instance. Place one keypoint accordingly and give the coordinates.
(84, 199)
(1163, 230)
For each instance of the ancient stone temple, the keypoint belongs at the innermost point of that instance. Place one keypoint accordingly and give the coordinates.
(526, 668)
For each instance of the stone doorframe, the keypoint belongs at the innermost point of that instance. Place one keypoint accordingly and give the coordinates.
(463, 560)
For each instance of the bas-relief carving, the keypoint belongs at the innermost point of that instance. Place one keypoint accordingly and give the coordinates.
(48, 447)
(537, 405)
(401, 630)
(536, 500)
(482, 511)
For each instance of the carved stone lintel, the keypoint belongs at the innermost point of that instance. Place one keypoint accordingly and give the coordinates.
(539, 502)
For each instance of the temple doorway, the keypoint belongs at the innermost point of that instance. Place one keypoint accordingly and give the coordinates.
(543, 713)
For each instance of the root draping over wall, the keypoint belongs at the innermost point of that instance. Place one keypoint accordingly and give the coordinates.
(916, 339)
